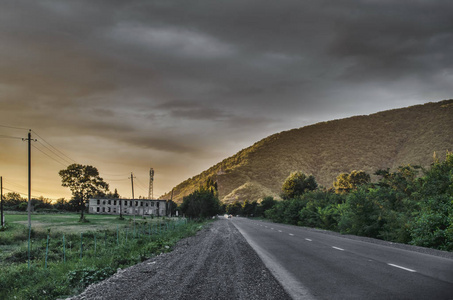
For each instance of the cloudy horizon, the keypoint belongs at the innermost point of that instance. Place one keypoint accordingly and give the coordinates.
(177, 86)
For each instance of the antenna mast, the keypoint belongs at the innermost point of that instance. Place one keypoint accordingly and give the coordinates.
(151, 180)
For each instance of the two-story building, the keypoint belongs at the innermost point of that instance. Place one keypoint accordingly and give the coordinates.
(138, 207)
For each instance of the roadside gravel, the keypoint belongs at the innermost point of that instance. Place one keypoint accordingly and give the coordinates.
(217, 263)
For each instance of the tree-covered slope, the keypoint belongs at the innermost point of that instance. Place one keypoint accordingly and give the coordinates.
(383, 140)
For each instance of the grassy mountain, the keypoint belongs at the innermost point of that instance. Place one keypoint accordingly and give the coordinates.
(383, 140)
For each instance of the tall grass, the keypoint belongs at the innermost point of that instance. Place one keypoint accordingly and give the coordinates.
(64, 263)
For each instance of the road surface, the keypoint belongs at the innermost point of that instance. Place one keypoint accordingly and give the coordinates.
(314, 265)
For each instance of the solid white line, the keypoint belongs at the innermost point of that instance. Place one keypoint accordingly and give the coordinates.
(291, 234)
(400, 267)
(338, 248)
(291, 284)
(308, 240)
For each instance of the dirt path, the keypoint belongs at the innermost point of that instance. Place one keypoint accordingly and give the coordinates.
(217, 263)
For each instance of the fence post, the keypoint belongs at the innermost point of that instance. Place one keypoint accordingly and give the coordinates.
(81, 244)
(64, 250)
(47, 251)
(29, 236)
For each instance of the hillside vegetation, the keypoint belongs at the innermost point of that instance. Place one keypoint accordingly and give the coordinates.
(383, 140)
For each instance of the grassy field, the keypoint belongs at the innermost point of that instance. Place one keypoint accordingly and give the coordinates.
(69, 222)
(65, 255)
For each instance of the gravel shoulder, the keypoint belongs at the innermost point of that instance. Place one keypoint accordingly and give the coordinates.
(216, 263)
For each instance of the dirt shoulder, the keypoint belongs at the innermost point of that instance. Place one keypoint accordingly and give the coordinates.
(217, 263)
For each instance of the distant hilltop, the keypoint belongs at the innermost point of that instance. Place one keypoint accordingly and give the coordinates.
(382, 140)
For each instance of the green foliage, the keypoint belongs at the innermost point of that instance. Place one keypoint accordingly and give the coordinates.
(297, 184)
(234, 208)
(63, 278)
(401, 207)
(362, 213)
(433, 223)
(203, 203)
(84, 183)
(89, 275)
(347, 182)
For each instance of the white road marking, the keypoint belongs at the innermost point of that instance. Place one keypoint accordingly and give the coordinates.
(291, 284)
(272, 228)
(338, 248)
(279, 231)
(403, 268)
(291, 234)
(308, 240)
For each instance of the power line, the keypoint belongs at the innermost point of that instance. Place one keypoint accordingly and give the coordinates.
(56, 154)
(13, 127)
(10, 137)
(23, 194)
(48, 155)
(124, 179)
(53, 147)
(117, 175)
(141, 185)
(21, 186)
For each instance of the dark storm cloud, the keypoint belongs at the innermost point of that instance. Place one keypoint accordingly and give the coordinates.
(206, 78)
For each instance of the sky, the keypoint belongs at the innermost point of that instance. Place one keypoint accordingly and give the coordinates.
(178, 86)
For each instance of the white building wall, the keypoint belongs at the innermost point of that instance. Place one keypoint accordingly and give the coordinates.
(145, 207)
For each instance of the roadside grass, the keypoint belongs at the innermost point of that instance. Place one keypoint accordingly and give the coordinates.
(67, 256)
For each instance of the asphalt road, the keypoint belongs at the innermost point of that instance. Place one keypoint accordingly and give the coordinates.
(314, 265)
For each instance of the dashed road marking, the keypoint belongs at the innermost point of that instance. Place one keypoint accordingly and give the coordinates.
(403, 268)
(280, 231)
(291, 234)
(341, 249)
(308, 240)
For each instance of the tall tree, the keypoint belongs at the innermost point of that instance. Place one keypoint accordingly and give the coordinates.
(296, 184)
(202, 203)
(346, 182)
(84, 182)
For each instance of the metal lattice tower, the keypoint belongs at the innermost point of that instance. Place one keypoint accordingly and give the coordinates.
(151, 180)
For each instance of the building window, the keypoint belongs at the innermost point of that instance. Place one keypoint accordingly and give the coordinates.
(103, 209)
(110, 202)
(99, 201)
(141, 203)
(103, 202)
(152, 203)
(97, 208)
(108, 209)
(146, 204)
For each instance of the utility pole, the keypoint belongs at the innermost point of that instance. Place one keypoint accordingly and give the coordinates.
(133, 201)
(132, 184)
(29, 139)
(1, 200)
